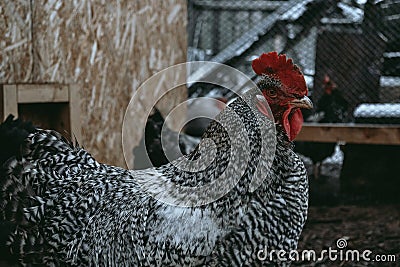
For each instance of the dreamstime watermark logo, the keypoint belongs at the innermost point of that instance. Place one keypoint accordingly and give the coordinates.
(340, 253)
(161, 187)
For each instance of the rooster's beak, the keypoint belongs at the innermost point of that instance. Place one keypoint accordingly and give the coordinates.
(305, 102)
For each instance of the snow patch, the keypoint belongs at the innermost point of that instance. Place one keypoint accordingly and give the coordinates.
(352, 13)
(389, 81)
(384, 110)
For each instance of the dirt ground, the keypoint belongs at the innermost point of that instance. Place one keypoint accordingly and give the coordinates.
(365, 227)
(366, 220)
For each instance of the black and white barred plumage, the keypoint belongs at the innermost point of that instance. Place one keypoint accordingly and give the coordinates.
(68, 209)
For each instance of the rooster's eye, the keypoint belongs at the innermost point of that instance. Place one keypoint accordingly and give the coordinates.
(271, 92)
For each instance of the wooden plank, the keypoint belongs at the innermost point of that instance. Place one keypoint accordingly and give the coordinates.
(8, 99)
(35, 93)
(1, 104)
(350, 133)
(75, 113)
(253, 5)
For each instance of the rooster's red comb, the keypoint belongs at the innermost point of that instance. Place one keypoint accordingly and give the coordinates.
(283, 69)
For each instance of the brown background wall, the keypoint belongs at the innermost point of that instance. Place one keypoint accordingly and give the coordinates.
(108, 47)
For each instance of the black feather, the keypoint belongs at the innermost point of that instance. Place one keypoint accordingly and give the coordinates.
(12, 134)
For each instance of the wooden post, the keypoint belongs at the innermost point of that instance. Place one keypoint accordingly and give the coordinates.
(9, 101)
(75, 112)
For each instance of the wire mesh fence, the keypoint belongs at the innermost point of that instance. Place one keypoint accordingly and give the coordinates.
(349, 51)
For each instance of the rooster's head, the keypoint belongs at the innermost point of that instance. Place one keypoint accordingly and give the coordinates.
(283, 85)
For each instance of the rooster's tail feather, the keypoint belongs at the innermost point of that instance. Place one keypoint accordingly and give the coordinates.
(13, 132)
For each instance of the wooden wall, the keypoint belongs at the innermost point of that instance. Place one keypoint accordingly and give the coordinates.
(107, 47)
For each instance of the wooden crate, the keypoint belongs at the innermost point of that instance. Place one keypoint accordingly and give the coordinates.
(48, 106)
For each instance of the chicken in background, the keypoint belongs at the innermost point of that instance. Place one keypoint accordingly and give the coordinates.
(151, 145)
(332, 107)
(65, 208)
(203, 110)
(19, 130)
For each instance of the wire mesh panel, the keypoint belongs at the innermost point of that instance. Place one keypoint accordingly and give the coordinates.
(352, 47)
(349, 51)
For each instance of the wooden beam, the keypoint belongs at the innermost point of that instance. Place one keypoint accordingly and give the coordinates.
(8, 98)
(350, 133)
(252, 5)
(75, 113)
(42, 93)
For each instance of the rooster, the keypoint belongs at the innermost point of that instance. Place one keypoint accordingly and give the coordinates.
(62, 207)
